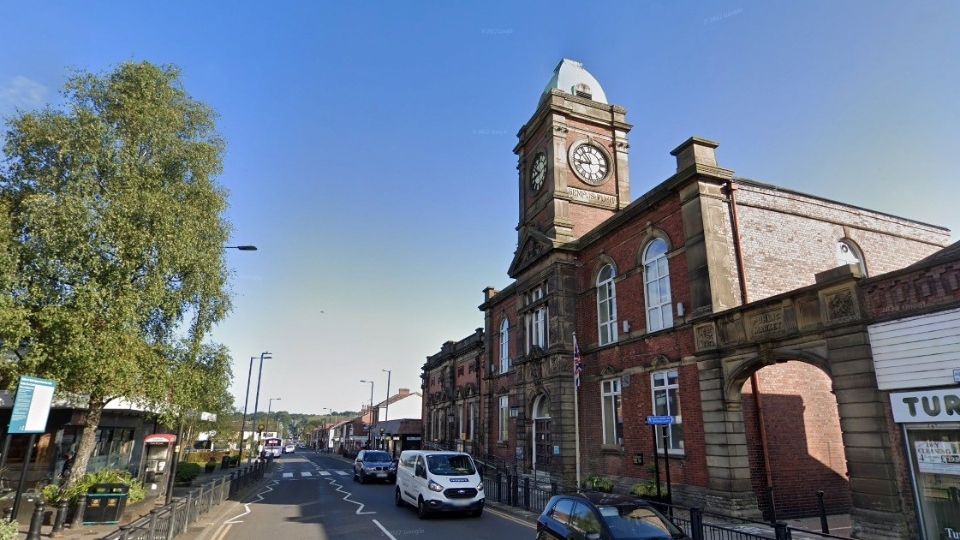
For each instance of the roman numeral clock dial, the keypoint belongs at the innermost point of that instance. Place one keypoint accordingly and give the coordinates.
(590, 163)
(538, 171)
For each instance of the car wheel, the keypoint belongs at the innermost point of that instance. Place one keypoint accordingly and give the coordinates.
(363, 478)
(477, 513)
(422, 511)
(542, 536)
(400, 502)
(354, 476)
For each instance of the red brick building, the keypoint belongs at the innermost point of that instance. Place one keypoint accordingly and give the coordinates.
(660, 295)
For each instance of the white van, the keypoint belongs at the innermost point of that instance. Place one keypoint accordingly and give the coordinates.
(435, 481)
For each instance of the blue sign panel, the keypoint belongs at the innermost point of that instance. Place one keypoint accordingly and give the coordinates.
(659, 420)
(31, 407)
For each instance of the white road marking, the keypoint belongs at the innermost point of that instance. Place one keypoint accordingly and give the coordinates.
(347, 498)
(385, 531)
(342, 473)
(324, 473)
(288, 475)
(306, 474)
(509, 517)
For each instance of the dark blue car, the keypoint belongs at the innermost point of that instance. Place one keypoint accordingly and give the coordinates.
(603, 516)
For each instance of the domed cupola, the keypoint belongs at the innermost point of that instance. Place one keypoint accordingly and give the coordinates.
(570, 77)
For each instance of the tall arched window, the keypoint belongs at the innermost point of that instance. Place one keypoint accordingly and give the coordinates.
(607, 305)
(656, 279)
(847, 253)
(504, 346)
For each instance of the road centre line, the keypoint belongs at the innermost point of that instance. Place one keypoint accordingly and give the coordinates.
(385, 531)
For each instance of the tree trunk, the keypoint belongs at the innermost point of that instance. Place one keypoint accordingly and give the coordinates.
(87, 441)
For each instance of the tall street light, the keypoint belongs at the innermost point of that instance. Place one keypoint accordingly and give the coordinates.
(326, 430)
(269, 409)
(246, 398)
(373, 419)
(256, 400)
(176, 449)
(386, 409)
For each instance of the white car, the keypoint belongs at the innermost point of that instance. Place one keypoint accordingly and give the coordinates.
(289, 449)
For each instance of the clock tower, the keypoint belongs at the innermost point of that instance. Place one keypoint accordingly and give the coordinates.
(572, 163)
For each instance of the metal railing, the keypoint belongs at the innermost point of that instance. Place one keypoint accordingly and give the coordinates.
(173, 519)
(502, 484)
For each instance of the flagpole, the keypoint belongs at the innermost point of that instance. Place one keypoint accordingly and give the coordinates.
(576, 408)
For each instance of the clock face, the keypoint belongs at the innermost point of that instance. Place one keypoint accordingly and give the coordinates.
(538, 171)
(590, 163)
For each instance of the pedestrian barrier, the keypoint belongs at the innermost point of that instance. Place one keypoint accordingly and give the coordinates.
(173, 519)
(506, 486)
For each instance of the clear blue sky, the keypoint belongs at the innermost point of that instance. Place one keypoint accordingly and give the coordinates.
(370, 143)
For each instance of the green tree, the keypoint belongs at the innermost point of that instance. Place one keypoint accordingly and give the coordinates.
(117, 241)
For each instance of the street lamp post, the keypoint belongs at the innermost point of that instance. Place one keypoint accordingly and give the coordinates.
(246, 398)
(386, 408)
(242, 248)
(256, 400)
(270, 408)
(373, 419)
(326, 430)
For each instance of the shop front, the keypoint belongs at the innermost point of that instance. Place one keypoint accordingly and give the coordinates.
(930, 424)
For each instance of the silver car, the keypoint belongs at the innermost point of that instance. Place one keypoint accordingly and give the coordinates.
(374, 465)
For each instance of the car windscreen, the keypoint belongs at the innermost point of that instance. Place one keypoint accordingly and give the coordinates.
(636, 522)
(377, 457)
(451, 465)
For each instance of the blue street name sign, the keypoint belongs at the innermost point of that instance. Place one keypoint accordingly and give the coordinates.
(659, 420)
(31, 406)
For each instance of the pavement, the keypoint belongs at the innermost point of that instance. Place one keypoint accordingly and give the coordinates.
(88, 532)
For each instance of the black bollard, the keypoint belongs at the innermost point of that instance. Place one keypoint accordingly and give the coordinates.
(36, 521)
(61, 519)
(78, 511)
(8, 514)
(824, 527)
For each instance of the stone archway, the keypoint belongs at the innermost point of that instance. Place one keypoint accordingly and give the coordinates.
(821, 326)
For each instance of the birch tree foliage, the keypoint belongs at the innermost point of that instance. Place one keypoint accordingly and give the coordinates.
(117, 236)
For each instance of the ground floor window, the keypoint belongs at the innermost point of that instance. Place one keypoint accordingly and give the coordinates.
(935, 463)
(504, 417)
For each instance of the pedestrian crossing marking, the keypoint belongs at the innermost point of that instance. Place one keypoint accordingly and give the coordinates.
(288, 475)
(342, 473)
(324, 473)
(306, 474)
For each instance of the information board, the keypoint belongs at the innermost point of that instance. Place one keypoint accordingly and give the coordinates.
(31, 407)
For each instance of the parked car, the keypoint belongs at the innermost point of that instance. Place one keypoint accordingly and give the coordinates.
(374, 465)
(604, 516)
(439, 482)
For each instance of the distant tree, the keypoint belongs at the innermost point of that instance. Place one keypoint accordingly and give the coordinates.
(117, 241)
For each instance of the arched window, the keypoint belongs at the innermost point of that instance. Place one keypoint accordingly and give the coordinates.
(504, 346)
(542, 408)
(847, 253)
(607, 305)
(656, 279)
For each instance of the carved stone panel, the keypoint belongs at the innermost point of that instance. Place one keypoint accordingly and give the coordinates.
(839, 304)
(764, 324)
(706, 336)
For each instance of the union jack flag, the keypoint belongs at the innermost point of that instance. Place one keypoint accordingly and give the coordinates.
(577, 363)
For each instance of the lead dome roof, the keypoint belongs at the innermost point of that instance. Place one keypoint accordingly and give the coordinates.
(571, 78)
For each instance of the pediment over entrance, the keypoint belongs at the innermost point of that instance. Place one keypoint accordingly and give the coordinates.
(533, 245)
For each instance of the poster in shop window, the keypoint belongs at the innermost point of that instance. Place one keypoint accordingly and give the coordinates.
(938, 457)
